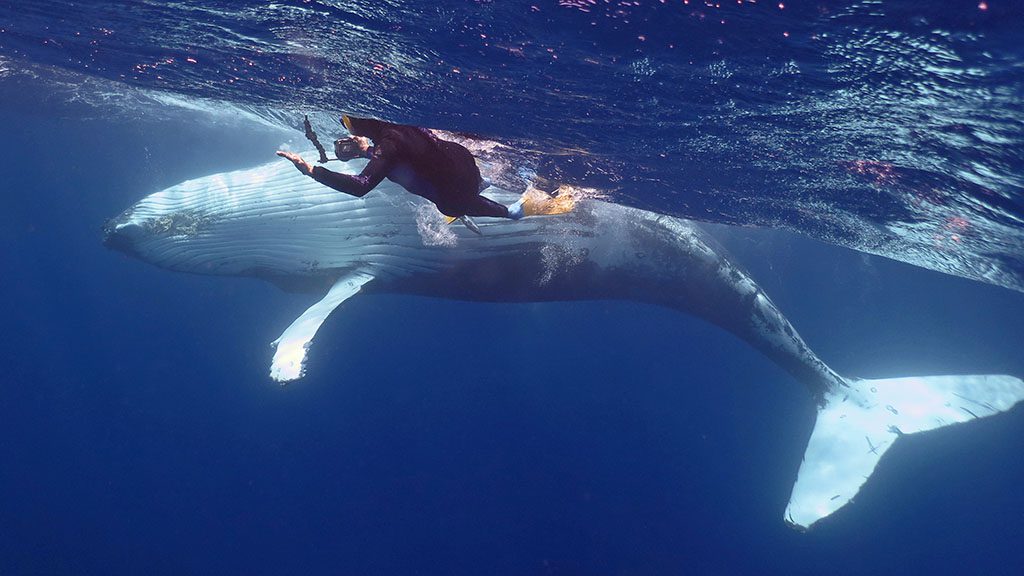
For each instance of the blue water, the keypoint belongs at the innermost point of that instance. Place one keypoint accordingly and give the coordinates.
(140, 434)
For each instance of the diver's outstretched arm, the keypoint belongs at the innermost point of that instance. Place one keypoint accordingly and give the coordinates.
(375, 171)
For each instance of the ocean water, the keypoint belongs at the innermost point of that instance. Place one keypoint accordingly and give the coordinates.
(139, 433)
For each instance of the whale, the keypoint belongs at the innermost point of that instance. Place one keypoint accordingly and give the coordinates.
(271, 222)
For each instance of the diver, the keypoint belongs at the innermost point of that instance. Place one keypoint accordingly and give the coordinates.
(441, 171)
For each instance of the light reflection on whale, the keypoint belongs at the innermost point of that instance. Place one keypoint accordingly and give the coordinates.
(273, 223)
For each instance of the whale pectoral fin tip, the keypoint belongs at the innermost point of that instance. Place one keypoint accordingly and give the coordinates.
(291, 348)
(287, 367)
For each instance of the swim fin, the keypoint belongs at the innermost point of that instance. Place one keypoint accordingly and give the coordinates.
(468, 223)
(465, 222)
(535, 202)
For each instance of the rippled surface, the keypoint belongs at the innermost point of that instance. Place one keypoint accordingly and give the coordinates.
(895, 128)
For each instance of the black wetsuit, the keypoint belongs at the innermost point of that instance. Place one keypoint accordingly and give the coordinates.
(440, 171)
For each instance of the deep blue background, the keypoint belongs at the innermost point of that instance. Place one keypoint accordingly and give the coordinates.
(140, 434)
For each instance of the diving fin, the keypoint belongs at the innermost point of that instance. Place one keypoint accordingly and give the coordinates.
(471, 225)
(466, 222)
(536, 202)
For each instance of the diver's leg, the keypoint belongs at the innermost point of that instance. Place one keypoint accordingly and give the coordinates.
(484, 206)
(531, 203)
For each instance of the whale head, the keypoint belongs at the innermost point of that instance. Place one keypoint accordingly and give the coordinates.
(272, 222)
(169, 229)
(122, 233)
(269, 220)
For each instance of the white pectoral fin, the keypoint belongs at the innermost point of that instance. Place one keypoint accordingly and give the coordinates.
(290, 354)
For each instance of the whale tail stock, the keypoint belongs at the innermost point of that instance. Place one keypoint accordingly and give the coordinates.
(856, 424)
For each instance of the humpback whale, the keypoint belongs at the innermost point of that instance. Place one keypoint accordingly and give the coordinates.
(271, 222)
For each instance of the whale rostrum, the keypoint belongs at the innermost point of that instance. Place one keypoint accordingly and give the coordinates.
(271, 222)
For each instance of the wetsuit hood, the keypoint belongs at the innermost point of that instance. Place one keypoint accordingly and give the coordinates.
(366, 127)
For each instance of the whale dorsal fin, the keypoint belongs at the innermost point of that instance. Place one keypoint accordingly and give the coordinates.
(290, 354)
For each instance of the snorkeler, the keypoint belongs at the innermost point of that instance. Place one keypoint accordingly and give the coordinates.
(441, 171)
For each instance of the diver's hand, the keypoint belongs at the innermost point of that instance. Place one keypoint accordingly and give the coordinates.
(301, 164)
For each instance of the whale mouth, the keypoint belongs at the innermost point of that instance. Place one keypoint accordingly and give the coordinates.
(121, 236)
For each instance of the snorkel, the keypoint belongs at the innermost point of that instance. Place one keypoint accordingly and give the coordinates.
(367, 127)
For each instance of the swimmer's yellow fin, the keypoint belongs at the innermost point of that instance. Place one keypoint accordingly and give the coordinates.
(466, 221)
(538, 203)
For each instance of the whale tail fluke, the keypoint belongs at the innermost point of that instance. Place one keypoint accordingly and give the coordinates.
(857, 424)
